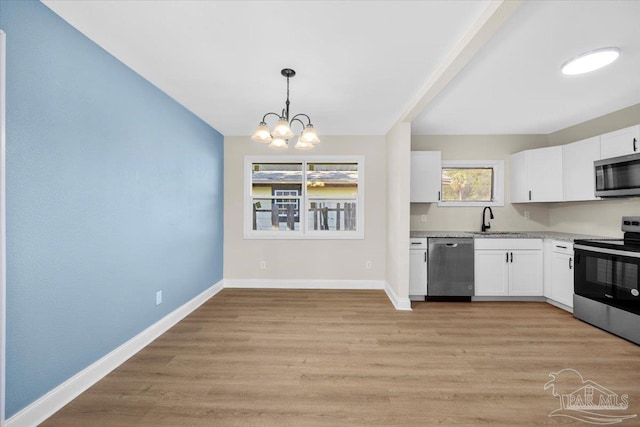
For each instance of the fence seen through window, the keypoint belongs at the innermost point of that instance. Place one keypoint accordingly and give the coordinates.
(326, 191)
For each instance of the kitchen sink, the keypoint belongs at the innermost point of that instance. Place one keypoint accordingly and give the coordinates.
(498, 233)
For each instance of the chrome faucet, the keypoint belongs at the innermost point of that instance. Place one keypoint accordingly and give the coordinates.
(487, 226)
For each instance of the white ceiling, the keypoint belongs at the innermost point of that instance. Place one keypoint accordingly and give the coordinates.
(514, 84)
(360, 64)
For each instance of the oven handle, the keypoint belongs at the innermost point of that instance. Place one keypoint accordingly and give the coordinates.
(593, 249)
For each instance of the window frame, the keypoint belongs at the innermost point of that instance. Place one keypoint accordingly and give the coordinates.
(305, 232)
(498, 181)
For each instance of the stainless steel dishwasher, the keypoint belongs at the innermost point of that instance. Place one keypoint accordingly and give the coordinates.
(450, 267)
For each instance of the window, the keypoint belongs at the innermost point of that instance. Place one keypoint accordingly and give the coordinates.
(310, 197)
(472, 183)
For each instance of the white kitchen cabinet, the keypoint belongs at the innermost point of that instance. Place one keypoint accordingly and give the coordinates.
(418, 268)
(561, 289)
(578, 177)
(536, 175)
(508, 267)
(620, 142)
(525, 273)
(426, 176)
(519, 185)
(491, 272)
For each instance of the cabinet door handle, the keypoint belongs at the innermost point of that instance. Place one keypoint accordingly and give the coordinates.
(570, 266)
(511, 256)
(563, 247)
(506, 257)
(634, 144)
(438, 196)
(425, 257)
(529, 194)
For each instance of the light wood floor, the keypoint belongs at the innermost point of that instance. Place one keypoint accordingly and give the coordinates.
(335, 358)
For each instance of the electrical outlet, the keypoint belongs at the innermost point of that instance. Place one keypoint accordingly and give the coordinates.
(527, 215)
(263, 265)
(368, 265)
(158, 297)
(423, 218)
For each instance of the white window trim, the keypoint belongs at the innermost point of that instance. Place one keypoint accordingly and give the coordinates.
(303, 233)
(498, 180)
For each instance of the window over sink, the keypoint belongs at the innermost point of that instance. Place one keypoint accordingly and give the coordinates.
(472, 183)
(310, 197)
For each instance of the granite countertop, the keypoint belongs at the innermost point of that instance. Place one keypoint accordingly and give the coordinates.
(568, 237)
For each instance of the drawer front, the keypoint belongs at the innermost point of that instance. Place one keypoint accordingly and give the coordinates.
(562, 247)
(509, 244)
(418, 243)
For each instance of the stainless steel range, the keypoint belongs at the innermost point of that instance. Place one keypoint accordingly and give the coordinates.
(607, 282)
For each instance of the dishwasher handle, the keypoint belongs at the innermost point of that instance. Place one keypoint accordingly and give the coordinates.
(450, 241)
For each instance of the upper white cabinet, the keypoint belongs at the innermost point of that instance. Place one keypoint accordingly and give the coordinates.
(578, 177)
(536, 175)
(426, 176)
(519, 181)
(620, 142)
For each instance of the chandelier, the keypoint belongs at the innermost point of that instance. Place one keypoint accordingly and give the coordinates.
(281, 133)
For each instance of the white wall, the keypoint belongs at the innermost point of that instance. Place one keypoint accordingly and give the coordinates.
(306, 259)
(479, 147)
(398, 153)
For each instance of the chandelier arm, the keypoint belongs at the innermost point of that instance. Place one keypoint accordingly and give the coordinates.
(297, 120)
(268, 114)
(301, 114)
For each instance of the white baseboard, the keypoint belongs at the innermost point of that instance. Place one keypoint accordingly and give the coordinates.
(398, 303)
(303, 284)
(507, 299)
(51, 402)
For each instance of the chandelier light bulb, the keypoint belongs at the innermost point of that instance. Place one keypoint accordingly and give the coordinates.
(262, 134)
(278, 143)
(310, 135)
(590, 61)
(282, 129)
(302, 144)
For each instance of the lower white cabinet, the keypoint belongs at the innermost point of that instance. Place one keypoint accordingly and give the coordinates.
(418, 268)
(508, 267)
(561, 289)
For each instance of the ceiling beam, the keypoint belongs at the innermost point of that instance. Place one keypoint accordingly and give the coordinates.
(490, 21)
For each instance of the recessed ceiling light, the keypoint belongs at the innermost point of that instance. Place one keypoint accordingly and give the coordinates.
(590, 61)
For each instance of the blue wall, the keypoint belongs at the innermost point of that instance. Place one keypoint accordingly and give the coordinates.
(114, 191)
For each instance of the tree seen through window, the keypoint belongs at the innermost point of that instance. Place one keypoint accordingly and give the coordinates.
(467, 184)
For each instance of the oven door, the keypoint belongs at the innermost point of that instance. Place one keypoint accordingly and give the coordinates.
(609, 276)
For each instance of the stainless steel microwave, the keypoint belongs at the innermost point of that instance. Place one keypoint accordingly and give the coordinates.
(618, 176)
